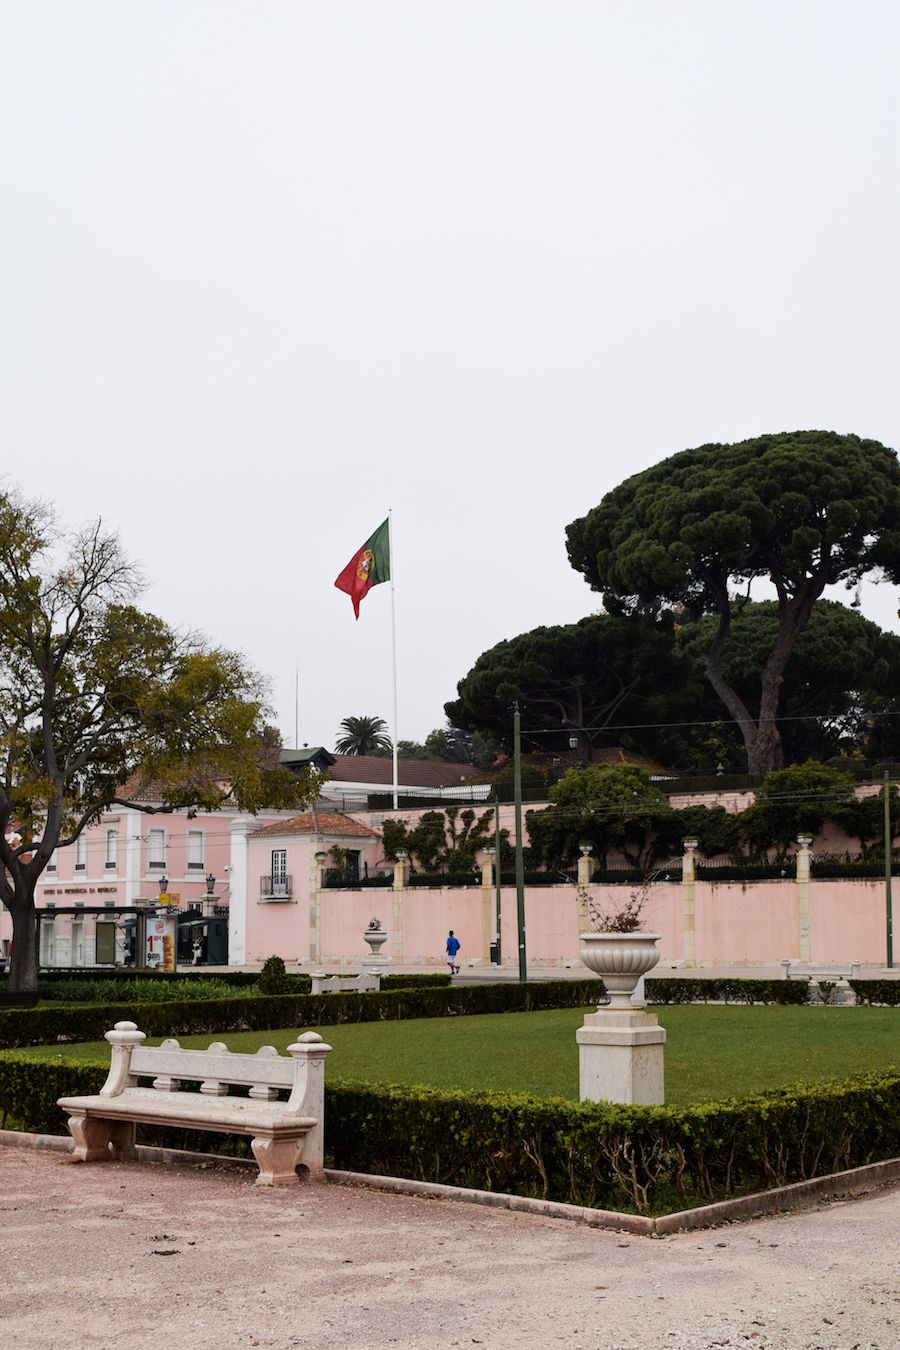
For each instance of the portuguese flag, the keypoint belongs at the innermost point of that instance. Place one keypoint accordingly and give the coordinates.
(368, 567)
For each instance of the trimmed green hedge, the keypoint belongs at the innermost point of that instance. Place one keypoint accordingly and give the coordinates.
(884, 992)
(644, 1159)
(437, 979)
(686, 990)
(128, 986)
(42, 1026)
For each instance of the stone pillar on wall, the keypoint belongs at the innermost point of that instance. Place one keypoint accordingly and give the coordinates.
(804, 861)
(315, 906)
(488, 922)
(238, 881)
(585, 872)
(401, 877)
(688, 885)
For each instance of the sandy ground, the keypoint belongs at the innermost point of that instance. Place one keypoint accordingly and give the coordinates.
(140, 1255)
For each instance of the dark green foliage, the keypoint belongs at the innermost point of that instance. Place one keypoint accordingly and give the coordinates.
(885, 993)
(584, 678)
(683, 989)
(842, 675)
(30, 1088)
(442, 840)
(804, 509)
(793, 801)
(644, 1159)
(272, 977)
(615, 808)
(439, 979)
(126, 974)
(42, 1026)
(363, 736)
(144, 991)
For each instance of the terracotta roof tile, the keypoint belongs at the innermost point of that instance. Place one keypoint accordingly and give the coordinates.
(331, 823)
(411, 772)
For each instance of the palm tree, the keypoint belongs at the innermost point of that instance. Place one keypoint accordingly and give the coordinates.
(363, 736)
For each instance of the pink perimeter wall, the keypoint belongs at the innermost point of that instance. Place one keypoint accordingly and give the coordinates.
(735, 923)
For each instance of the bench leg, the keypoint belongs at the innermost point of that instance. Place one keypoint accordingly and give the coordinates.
(92, 1138)
(98, 1140)
(277, 1160)
(121, 1138)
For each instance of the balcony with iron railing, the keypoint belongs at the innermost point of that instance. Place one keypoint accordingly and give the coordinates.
(276, 888)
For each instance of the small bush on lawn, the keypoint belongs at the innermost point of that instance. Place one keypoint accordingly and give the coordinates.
(273, 977)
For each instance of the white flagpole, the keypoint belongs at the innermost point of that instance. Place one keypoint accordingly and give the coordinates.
(393, 649)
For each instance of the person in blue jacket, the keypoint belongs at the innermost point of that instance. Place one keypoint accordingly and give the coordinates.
(452, 949)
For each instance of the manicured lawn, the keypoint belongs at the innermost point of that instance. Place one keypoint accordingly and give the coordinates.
(712, 1052)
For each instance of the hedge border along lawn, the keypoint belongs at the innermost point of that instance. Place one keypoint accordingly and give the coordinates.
(683, 989)
(21, 1027)
(102, 991)
(632, 1159)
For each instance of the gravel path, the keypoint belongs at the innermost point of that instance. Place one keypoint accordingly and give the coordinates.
(129, 1256)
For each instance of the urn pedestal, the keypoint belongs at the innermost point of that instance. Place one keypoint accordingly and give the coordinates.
(620, 1047)
(375, 963)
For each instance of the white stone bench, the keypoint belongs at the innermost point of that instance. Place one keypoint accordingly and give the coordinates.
(337, 984)
(284, 1135)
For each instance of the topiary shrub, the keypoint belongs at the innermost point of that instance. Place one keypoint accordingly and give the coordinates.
(273, 977)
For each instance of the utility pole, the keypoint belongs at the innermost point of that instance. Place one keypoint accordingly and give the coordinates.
(520, 865)
(497, 881)
(887, 870)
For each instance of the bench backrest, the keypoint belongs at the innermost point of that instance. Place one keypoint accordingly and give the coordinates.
(215, 1065)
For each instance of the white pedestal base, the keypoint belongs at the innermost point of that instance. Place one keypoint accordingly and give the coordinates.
(620, 1058)
(375, 966)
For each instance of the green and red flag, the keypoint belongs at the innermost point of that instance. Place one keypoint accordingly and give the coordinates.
(368, 567)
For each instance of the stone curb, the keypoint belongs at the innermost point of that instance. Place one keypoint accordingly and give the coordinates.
(855, 1182)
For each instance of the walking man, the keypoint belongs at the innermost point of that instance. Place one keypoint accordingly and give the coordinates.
(452, 950)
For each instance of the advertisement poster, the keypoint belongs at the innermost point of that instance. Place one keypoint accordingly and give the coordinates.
(161, 943)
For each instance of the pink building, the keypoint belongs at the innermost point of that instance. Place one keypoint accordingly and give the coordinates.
(305, 887)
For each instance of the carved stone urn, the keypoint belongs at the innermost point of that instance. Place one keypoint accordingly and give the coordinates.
(376, 938)
(620, 959)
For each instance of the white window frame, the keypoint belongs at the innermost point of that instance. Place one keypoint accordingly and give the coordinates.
(194, 851)
(279, 872)
(156, 844)
(81, 852)
(51, 864)
(112, 850)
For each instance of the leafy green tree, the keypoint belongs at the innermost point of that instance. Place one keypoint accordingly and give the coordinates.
(792, 801)
(94, 691)
(717, 831)
(612, 807)
(363, 736)
(582, 679)
(442, 840)
(802, 510)
(862, 818)
(841, 678)
(451, 745)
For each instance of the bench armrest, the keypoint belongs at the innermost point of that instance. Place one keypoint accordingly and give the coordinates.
(123, 1038)
(308, 1093)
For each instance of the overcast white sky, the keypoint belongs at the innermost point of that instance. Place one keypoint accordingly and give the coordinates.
(271, 268)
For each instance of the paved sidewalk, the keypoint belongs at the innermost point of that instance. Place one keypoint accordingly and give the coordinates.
(134, 1256)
